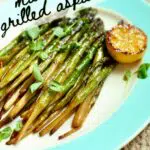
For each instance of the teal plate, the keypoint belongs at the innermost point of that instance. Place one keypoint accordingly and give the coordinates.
(134, 114)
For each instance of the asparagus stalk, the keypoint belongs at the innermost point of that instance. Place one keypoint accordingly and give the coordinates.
(56, 127)
(5, 59)
(25, 115)
(2, 92)
(12, 100)
(1, 69)
(13, 62)
(48, 120)
(13, 138)
(28, 108)
(83, 111)
(65, 135)
(1, 108)
(42, 117)
(10, 46)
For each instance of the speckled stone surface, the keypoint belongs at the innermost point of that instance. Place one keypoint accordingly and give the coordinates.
(141, 142)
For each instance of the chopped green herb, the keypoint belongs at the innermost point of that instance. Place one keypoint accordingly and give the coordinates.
(25, 35)
(59, 32)
(43, 56)
(71, 46)
(36, 45)
(64, 47)
(68, 31)
(33, 33)
(127, 75)
(19, 126)
(142, 72)
(5, 133)
(35, 86)
(37, 74)
(55, 86)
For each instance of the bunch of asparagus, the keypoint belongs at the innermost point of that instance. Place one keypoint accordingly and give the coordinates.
(51, 72)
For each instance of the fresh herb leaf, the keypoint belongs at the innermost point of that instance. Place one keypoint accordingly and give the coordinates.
(5, 133)
(35, 86)
(127, 75)
(68, 31)
(71, 46)
(64, 47)
(19, 126)
(142, 72)
(59, 32)
(55, 86)
(37, 74)
(25, 35)
(33, 33)
(43, 55)
(36, 45)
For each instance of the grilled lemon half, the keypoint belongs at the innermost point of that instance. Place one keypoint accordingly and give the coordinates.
(126, 43)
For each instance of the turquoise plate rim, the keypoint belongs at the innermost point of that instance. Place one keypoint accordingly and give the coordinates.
(134, 114)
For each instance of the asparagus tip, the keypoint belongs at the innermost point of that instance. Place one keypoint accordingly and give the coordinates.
(11, 142)
(52, 132)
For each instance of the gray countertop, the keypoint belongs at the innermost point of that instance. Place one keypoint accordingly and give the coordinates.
(141, 142)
